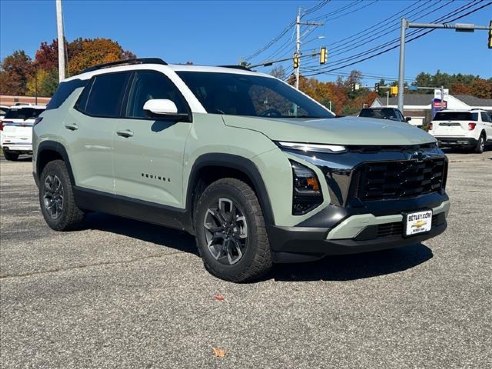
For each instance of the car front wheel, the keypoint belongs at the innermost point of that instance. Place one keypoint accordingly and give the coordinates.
(230, 232)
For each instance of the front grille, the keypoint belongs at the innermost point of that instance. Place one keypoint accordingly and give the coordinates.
(399, 179)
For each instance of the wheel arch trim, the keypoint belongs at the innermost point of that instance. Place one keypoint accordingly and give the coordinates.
(58, 148)
(239, 163)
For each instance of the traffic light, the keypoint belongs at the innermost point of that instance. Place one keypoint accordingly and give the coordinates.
(394, 90)
(296, 61)
(323, 55)
(376, 87)
(490, 35)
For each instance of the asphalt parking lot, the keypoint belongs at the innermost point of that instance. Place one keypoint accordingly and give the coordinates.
(122, 294)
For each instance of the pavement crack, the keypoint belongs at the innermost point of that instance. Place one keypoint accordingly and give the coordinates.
(83, 266)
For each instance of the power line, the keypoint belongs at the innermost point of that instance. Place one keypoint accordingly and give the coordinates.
(370, 28)
(317, 7)
(386, 31)
(339, 10)
(364, 5)
(371, 37)
(394, 47)
(272, 42)
(388, 45)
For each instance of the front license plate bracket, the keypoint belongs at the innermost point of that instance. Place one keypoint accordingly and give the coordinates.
(417, 222)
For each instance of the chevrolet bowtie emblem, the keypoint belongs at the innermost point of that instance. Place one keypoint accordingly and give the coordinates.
(418, 224)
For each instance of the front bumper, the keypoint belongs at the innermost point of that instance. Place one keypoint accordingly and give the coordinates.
(356, 233)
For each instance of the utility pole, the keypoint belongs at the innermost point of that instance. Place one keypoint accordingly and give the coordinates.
(404, 25)
(298, 46)
(298, 54)
(61, 41)
(459, 27)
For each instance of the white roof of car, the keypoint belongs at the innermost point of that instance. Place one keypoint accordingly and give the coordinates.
(173, 67)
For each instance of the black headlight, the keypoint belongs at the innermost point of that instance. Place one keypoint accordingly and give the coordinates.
(306, 189)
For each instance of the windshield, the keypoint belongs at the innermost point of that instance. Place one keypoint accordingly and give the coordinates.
(23, 113)
(456, 115)
(239, 94)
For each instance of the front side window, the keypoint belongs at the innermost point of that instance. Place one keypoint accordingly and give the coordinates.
(149, 85)
(250, 95)
(103, 97)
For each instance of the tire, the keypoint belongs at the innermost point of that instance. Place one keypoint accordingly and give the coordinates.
(480, 144)
(12, 156)
(234, 250)
(56, 198)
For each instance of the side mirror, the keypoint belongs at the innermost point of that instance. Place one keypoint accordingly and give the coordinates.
(408, 119)
(164, 109)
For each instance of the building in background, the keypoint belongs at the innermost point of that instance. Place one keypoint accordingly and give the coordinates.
(8, 100)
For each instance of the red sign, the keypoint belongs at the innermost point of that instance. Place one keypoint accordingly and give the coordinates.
(437, 104)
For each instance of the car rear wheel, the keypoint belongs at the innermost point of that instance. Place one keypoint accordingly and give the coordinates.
(56, 198)
(11, 156)
(230, 232)
(480, 144)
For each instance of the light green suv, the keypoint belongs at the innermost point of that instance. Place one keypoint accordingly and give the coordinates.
(259, 172)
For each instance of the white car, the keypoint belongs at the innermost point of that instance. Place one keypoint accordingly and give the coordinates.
(16, 130)
(469, 129)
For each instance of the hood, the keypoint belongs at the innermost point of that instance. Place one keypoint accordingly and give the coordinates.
(335, 131)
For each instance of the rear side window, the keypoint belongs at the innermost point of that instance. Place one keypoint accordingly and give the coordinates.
(456, 115)
(23, 113)
(103, 96)
(486, 117)
(63, 91)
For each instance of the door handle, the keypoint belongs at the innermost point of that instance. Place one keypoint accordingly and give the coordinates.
(72, 126)
(125, 133)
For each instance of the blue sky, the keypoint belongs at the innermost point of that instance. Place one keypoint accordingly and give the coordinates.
(224, 32)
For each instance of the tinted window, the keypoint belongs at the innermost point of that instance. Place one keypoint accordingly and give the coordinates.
(23, 113)
(239, 94)
(371, 113)
(485, 117)
(149, 85)
(104, 96)
(63, 91)
(456, 115)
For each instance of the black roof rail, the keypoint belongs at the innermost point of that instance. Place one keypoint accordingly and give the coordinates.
(127, 61)
(242, 67)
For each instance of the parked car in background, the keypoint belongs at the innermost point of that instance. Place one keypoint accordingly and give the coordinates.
(3, 110)
(16, 128)
(384, 113)
(467, 129)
